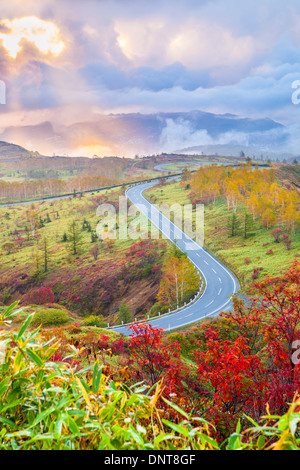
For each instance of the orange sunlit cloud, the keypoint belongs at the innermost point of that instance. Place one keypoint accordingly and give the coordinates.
(45, 35)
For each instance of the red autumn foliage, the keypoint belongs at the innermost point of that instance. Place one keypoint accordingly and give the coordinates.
(41, 296)
(245, 360)
(270, 328)
(153, 356)
(280, 298)
(235, 376)
(276, 234)
(287, 242)
(118, 346)
(102, 342)
(256, 272)
(58, 358)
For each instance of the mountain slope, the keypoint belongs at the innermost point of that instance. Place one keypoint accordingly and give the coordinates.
(12, 150)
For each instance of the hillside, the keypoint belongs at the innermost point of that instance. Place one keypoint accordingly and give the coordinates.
(8, 150)
(289, 175)
(251, 251)
(96, 279)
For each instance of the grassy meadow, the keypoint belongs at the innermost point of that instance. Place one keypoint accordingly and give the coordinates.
(36, 250)
(240, 254)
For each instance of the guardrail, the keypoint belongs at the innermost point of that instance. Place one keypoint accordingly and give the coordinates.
(104, 188)
(87, 191)
(157, 317)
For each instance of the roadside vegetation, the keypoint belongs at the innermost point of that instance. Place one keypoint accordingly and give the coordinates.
(229, 384)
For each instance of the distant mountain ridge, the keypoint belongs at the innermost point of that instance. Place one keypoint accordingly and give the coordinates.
(128, 134)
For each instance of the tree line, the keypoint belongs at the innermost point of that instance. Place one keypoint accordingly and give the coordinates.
(257, 191)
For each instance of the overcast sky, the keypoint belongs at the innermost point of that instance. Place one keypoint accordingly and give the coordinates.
(64, 58)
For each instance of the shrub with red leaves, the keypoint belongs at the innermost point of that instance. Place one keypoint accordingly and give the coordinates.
(103, 341)
(256, 273)
(117, 346)
(153, 356)
(41, 296)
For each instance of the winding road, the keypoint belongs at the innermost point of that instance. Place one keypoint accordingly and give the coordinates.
(220, 281)
(162, 166)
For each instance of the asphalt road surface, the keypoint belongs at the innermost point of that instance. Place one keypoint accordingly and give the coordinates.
(220, 281)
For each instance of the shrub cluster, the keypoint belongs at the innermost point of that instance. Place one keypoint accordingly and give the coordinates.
(50, 316)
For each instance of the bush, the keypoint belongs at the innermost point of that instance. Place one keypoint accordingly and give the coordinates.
(276, 234)
(118, 346)
(256, 273)
(125, 314)
(158, 307)
(41, 296)
(94, 320)
(287, 242)
(50, 316)
(5, 296)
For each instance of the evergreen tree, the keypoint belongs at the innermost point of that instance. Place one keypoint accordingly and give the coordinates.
(74, 237)
(45, 254)
(41, 223)
(248, 225)
(94, 236)
(27, 231)
(233, 224)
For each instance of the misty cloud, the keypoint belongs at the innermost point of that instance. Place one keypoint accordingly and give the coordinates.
(180, 134)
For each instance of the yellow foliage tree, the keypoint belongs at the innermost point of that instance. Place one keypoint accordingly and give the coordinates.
(179, 279)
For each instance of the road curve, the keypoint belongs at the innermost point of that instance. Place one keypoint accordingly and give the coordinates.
(161, 166)
(220, 281)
